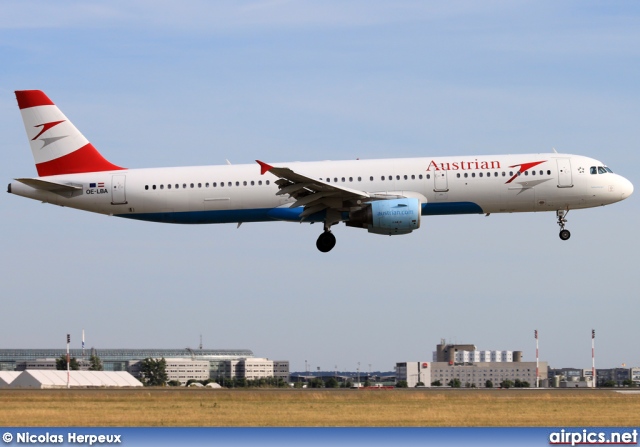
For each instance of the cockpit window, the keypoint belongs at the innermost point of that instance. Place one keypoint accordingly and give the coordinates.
(601, 170)
(608, 170)
(593, 170)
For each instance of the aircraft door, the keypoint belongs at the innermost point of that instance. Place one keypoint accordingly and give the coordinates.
(564, 173)
(118, 191)
(440, 183)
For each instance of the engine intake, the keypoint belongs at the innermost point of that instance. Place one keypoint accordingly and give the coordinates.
(389, 217)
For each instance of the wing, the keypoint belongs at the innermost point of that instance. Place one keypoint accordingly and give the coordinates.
(313, 194)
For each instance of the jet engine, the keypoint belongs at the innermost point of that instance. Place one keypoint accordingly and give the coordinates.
(393, 216)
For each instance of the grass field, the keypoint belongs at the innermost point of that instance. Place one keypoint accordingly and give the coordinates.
(313, 408)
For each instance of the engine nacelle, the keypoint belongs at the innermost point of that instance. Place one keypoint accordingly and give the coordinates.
(395, 216)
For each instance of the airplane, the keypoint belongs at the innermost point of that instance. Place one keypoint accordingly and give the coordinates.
(384, 196)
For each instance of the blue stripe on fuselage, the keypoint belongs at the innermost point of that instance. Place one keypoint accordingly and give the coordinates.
(440, 209)
(281, 214)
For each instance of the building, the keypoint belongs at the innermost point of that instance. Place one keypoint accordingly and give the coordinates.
(281, 369)
(469, 354)
(181, 370)
(414, 373)
(256, 368)
(477, 374)
(117, 359)
(42, 379)
(472, 368)
(613, 376)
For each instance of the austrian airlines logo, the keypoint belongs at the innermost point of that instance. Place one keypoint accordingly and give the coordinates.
(45, 127)
(524, 167)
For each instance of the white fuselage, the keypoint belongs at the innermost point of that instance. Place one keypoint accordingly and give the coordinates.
(239, 193)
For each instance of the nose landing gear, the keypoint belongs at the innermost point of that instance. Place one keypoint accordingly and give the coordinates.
(564, 234)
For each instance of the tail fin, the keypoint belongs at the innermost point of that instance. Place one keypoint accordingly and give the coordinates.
(57, 146)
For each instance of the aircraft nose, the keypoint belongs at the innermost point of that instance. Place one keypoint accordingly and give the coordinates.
(626, 187)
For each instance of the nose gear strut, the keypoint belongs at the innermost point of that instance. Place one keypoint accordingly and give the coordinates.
(564, 234)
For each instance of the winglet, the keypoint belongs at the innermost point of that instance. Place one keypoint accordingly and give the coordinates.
(264, 168)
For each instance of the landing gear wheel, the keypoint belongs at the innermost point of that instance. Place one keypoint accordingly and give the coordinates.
(326, 241)
(565, 234)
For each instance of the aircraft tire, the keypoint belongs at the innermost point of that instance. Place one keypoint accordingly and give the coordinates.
(326, 241)
(565, 235)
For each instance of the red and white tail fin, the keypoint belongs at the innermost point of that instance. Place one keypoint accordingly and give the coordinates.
(57, 146)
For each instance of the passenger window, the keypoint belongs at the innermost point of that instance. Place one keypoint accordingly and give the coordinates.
(192, 185)
(495, 174)
(593, 170)
(549, 172)
(413, 177)
(428, 176)
(199, 185)
(458, 175)
(504, 173)
(473, 174)
(420, 176)
(267, 182)
(260, 182)
(169, 186)
(466, 175)
(359, 179)
(480, 174)
(252, 183)
(244, 183)
(221, 184)
(533, 172)
(237, 183)
(154, 186)
(397, 177)
(371, 178)
(342, 179)
(184, 185)
(177, 186)
(382, 178)
(350, 179)
(335, 179)
(206, 185)
(406, 177)
(146, 187)
(161, 186)
(214, 184)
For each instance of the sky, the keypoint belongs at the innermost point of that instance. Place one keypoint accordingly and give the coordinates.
(158, 83)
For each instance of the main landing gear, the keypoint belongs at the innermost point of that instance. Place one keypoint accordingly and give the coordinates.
(326, 241)
(564, 234)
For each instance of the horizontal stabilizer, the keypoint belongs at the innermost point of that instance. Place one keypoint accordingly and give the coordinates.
(63, 189)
